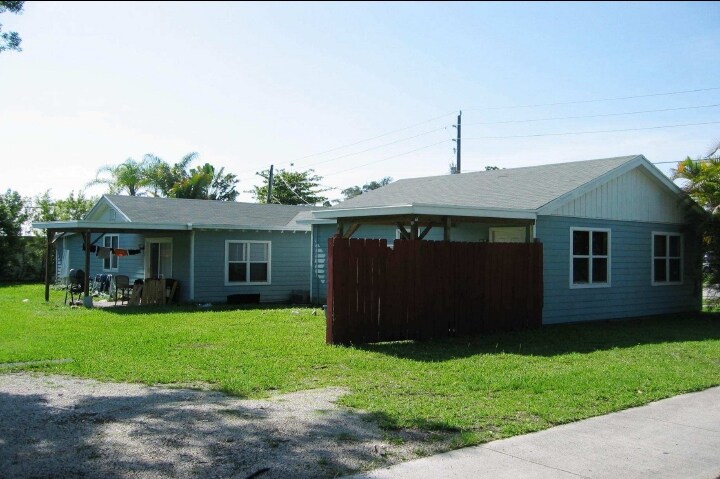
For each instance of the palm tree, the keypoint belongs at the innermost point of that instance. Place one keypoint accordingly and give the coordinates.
(161, 177)
(127, 176)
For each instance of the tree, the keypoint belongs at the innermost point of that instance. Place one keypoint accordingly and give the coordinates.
(701, 180)
(10, 40)
(160, 177)
(14, 213)
(71, 208)
(354, 191)
(127, 176)
(157, 177)
(204, 183)
(291, 188)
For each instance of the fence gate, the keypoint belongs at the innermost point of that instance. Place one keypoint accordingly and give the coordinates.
(430, 289)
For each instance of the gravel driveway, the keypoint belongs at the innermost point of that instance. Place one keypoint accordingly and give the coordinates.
(56, 426)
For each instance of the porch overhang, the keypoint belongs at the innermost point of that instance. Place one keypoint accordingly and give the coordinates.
(134, 227)
(421, 218)
(418, 209)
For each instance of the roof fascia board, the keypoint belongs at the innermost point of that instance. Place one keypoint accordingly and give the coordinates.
(82, 225)
(248, 227)
(316, 222)
(427, 209)
(89, 225)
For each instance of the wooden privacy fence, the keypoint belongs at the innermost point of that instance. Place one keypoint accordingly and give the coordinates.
(430, 289)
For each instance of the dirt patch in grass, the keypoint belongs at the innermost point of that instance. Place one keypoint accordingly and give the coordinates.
(56, 426)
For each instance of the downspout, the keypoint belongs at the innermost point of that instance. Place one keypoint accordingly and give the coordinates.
(312, 263)
(192, 262)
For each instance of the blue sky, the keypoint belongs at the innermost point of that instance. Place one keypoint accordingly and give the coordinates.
(247, 85)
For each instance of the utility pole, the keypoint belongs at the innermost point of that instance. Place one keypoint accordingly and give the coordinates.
(458, 170)
(270, 184)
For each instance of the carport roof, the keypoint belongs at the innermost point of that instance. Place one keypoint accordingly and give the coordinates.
(509, 193)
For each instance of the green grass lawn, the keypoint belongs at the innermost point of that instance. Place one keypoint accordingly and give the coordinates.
(483, 388)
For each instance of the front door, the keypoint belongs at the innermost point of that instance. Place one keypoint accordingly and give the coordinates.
(158, 258)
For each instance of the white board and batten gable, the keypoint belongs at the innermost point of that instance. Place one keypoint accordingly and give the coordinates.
(635, 192)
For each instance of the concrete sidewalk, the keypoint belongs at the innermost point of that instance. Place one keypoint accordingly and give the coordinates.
(673, 438)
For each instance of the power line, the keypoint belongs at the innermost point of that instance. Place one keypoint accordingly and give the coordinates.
(591, 116)
(591, 131)
(387, 158)
(680, 161)
(373, 148)
(596, 100)
(363, 141)
(291, 189)
(377, 147)
(376, 137)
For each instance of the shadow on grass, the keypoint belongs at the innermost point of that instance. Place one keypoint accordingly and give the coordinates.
(561, 339)
(52, 432)
(195, 308)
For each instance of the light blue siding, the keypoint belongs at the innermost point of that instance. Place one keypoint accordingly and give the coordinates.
(631, 292)
(134, 266)
(290, 265)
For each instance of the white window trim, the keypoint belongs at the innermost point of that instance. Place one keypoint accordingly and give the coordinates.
(609, 259)
(504, 229)
(117, 259)
(247, 283)
(667, 263)
(146, 263)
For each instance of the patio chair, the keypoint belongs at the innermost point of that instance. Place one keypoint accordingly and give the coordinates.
(97, 284)
(75, 284)
(106, 280)
(122, 287)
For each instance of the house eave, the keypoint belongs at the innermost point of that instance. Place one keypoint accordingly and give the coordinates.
(105, 226)
(426, 209)
(78, 226)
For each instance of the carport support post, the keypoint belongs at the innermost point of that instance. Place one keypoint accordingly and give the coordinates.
(446, 229)
(48, 252)
(86, 289)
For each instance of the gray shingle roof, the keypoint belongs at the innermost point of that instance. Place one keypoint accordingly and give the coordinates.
(141, 209)
(526, 188)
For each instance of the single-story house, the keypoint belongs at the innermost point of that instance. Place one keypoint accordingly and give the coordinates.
(213, 248)
(617, 234)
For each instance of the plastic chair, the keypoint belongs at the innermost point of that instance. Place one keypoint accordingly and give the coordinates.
(122, 286)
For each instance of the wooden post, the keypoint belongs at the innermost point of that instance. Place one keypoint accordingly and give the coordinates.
(446, 229)
(48, 254)
(414, 229)
(87, 264)
(340, 227)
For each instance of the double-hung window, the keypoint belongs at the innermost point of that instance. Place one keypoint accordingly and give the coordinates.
(247, 262)
(666, 258)
(110, 262)
(589, 257)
